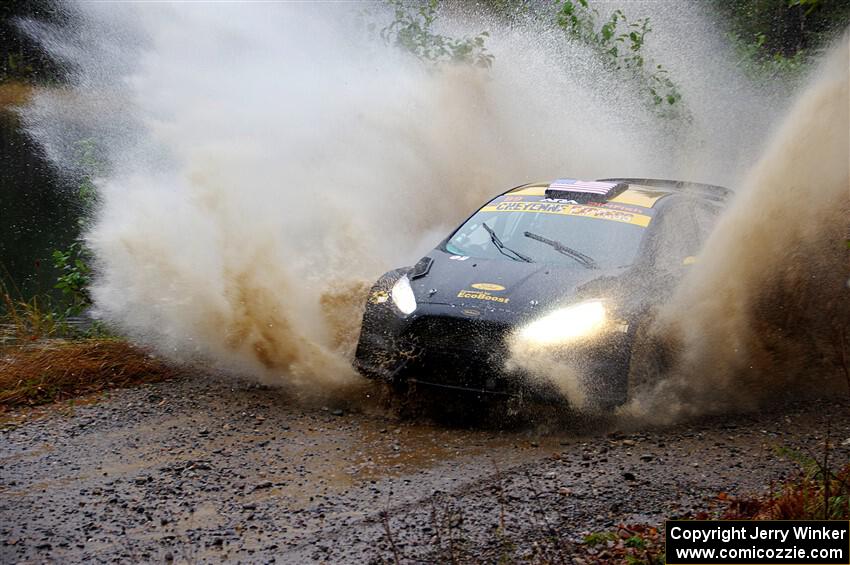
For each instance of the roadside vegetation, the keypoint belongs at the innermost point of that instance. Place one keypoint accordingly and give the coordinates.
(820, 490)
(61, 369)
(412, 30)
(619, 43)
(51, 348)
(47, 354)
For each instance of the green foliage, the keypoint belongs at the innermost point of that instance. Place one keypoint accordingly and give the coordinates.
(21, 58)
(805, 462)
(758, 64)
(620, 43)
(777, 38)
(509, 12)
(411, 30)
(17, 66)
(87, 160)
(597, 538)
(636, 542)
(74, 278)
(73, 263)
(809, 5)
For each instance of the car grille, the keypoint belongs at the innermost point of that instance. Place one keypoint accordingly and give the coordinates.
(477, 337)
(458, 352)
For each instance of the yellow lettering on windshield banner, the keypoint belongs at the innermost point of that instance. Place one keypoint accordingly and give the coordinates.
(595, 212)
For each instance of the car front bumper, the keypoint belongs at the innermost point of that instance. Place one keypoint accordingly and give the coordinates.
(462, 356)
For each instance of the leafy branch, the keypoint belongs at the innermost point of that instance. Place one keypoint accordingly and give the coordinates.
(74, 277)
(619, 43)
(758, 64)
(73, 263)
(411, 30)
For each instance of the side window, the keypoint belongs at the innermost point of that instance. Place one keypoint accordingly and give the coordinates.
(678, 239)
(706, 216)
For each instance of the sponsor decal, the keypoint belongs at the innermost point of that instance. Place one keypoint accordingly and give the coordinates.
(561, 201)
(553, 207)
(471, 313)
(645, 198)
(539, 206)
(379, 297)
(604, 213)
(488, 286)
(458, 257)
(482, 295)
(623, 207)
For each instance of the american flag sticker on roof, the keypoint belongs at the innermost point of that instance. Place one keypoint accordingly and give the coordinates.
(588, 187)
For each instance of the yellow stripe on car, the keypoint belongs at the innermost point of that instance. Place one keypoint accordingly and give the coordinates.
(595, 212)
(644, 197)
(635, 195)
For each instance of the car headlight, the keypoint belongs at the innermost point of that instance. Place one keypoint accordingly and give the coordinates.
(402, 295)
(567, 324)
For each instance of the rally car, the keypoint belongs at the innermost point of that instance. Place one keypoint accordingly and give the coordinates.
(574, 266)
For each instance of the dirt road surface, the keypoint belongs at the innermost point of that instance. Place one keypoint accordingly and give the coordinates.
(205, 470)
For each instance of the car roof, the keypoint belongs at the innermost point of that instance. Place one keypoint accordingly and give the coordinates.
(645, 193)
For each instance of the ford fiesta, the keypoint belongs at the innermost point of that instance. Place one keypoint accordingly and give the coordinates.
(575, 267)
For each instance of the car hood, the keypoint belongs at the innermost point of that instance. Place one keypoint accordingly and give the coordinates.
(505, 285)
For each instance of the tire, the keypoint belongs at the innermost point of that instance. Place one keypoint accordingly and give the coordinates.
(649, 360)
(612, 394)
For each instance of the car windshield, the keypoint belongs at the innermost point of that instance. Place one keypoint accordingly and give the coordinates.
(551, 235)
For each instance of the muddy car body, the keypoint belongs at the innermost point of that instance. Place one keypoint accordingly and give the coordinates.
(574, 267)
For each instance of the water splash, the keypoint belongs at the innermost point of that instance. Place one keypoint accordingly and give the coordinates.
(266, 161)
(765, 312)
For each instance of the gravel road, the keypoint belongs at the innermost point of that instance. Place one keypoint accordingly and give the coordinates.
(204, 470)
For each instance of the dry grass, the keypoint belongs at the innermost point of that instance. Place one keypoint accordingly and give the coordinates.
(806, 497)
(56, 370)
(37, 368)
(26, 321)
(811, 498)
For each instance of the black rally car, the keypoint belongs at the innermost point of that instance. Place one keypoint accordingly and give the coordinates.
(575, 267)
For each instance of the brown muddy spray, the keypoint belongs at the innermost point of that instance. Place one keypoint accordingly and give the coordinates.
(766, 310)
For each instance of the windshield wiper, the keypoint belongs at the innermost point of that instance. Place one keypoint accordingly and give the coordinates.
(585, 260)
(503, 249)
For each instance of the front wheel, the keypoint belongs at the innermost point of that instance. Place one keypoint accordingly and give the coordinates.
(649, 360)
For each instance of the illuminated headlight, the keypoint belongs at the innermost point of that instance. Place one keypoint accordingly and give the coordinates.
(402, 295)
(567, 324)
